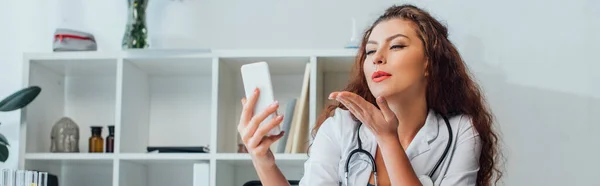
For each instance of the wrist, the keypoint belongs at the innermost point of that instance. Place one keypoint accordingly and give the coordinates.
(389, 140)
(264, 166)
(263, 161)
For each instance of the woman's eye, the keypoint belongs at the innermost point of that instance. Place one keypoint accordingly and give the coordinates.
(398, 46)
(369, 52)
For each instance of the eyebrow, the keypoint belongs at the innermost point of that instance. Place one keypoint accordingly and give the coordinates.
(389, 38)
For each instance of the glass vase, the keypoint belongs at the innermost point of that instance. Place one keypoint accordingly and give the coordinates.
(136, 33)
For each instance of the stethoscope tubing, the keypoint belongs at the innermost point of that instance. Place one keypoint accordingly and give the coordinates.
(445, 150)
(372, 159)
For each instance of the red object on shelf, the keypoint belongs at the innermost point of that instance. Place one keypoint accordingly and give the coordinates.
(60, 37)
(73, 40)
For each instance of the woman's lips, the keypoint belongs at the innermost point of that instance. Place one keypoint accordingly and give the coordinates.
(379, 76)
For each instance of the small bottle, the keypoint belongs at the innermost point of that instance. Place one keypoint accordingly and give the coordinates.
(96, 141)
(110, 139)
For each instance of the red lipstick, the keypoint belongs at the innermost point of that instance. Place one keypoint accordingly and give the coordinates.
(379, 76)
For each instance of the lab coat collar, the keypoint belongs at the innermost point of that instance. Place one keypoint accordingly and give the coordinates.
(366, 135)
(426, 135)
(420, 144)
(432, 126)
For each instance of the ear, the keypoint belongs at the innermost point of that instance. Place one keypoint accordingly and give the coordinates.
(426, 65)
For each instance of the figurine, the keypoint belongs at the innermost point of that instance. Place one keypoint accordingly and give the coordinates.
(65, 136)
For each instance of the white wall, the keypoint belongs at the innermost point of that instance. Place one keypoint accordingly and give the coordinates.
(17, 31)
(535, 59)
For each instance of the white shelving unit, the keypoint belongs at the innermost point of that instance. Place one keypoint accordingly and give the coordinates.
(158, 98)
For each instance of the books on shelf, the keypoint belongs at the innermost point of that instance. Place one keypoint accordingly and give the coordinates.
(296, 125)
(13, 177)
(286, 125)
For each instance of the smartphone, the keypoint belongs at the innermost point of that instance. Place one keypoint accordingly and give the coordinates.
(257, 75)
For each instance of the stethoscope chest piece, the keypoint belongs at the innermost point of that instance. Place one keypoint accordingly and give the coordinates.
(425, 180)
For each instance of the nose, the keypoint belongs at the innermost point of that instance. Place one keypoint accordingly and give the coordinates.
(378, 58)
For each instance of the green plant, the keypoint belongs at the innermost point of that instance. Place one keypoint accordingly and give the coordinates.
(136, 31)
(15, 101)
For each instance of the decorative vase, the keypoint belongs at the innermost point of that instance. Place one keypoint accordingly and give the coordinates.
(64, 136)
(136, 33)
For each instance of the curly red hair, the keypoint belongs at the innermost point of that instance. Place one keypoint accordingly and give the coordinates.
(450, 89)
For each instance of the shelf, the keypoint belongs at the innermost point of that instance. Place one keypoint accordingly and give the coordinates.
(284, 53)
(69, 156)
(245, 156)
(237, 171)
(241, 160)
(331, 74)
(287, 75)
(91, 55)
(172, 66)
(82, 90)
(166, 102)
(72, 56)
(277, 65)
(166, 98)
(155, 156)
(160, 172)
(166, 156)
(82, 170)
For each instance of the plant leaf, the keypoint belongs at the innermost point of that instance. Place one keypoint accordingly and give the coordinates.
(19, 99)
(3, 153)
(3, 140)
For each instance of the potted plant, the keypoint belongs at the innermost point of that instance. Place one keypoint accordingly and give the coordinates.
(15, 101)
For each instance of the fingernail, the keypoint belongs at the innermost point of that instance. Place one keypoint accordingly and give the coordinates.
(255, 90)
(330, 96)
(275, 104)
(380, 99)
(279, 117)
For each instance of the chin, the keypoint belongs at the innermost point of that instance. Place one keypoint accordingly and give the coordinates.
(381, 92)
(387, 90)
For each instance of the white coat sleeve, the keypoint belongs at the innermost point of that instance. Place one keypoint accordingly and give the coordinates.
(464, 165)
(321, 167)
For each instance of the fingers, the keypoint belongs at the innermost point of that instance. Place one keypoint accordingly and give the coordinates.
(359, 104)
(248, 107)
(358, 100)
(388, 115)
(264, 129)
(333, 95)
(354, 108)
(243, 117)
(266, 143)
(254, 123)
(253, 135)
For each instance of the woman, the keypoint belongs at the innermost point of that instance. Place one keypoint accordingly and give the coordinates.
(408, 80)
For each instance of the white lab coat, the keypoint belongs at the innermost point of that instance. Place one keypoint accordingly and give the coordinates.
(336, 138)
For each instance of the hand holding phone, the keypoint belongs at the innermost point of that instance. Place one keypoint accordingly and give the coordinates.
(257, 75)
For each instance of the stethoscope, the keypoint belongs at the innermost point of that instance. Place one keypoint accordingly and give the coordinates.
(427, 180)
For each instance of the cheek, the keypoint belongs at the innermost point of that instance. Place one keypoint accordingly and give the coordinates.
(408, 68)
(368, 69)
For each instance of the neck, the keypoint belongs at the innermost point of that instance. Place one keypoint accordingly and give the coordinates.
(411, 113)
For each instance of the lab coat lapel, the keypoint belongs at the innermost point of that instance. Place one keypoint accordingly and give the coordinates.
(422, 141)
(368, 139)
